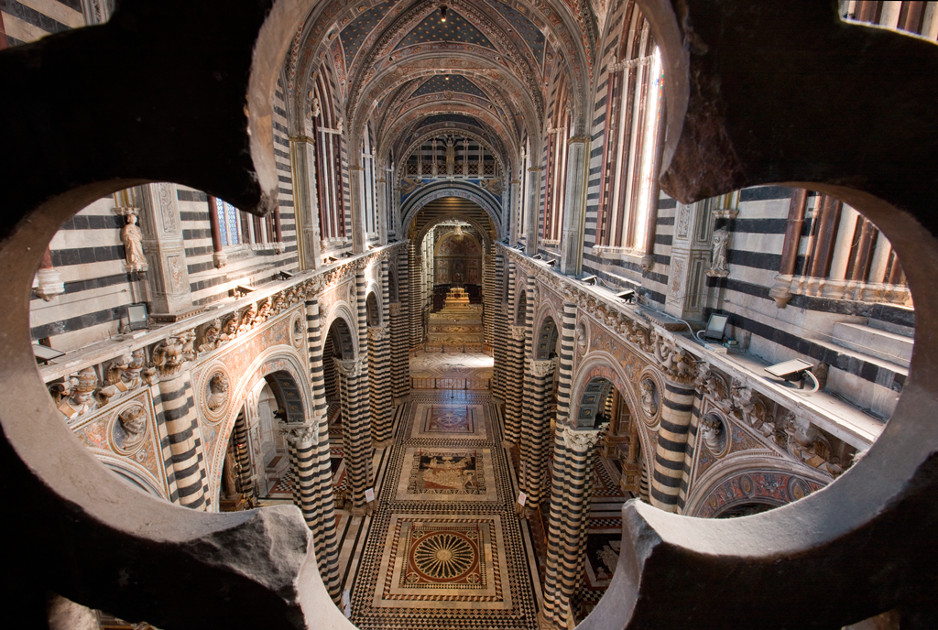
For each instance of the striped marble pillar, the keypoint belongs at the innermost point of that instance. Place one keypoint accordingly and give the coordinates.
(690, 447)
(381, 396)
(488, 294)
(501, 330)
(302, 440)
(245, 472)
(176, 411)
(325, 539)
(416, 301)
(400, 359)
(514, 383)
(356, 433)
(356, 410)
(534, 445)
(570, 497)
(379, 382)
(403, 292)
(565, 366)
(677, 404)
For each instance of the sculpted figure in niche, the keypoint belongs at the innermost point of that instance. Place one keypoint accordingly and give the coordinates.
(649, 396)
(79, 394)
(718, 261)
(132, 238)
(712, 432)
(218, 391)
(134, 423)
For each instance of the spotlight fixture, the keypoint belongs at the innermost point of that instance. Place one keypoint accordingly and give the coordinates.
(626, 296)
(590, 280)
(442, 13)
(551, 262)
(794, 371)
(285, 275)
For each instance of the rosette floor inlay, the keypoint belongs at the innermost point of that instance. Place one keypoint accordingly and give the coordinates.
(444, 548)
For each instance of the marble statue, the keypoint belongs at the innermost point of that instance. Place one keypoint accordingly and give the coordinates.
(132, 238)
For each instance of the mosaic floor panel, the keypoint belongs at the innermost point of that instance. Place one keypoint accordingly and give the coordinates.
(445, 550)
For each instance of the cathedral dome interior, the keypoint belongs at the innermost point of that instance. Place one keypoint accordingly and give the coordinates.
(464, 314)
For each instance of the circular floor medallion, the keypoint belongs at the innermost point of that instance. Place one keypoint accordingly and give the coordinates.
(444, 556)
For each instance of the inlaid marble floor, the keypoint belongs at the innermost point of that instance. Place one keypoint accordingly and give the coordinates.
(444, 549)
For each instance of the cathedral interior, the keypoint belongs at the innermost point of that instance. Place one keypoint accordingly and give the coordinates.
(466, 314)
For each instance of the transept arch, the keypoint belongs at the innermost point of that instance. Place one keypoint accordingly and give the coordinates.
(411, 208)
(603, 365)
(286, 370)
(745, 479)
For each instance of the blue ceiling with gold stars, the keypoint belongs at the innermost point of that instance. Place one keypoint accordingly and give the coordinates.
(455, 29)
(531, 34)
(449, 83)
(355, 33)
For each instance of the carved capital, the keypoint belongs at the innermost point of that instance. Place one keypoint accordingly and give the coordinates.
(579, 440)
(301, 435)
(377, 333)
(517, 332)
(542, 368)
(350, 368)
(171, 354)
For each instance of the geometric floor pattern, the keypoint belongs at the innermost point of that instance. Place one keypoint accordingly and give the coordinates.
(445, 550)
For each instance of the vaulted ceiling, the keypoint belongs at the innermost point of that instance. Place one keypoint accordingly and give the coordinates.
(408, 67)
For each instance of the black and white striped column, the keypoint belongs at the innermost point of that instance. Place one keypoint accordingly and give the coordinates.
(356, 411)
(176, 411)
(514, 383)
(400, 359)
(501, 330)
(677, 404)
(356, 433)
(302, 440)
(379, 379)
(325, 539)
(535, 445)
(245, 472)
(565, 367)
(416, 297)
(570, 497)
(381, 395)
(488, 294)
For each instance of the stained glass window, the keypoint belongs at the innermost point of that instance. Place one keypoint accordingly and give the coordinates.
(229, 225)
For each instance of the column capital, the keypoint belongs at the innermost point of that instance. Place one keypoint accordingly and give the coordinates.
(300, 434)
(542, 367)
(579, 440)
(349, 367)
(579, 140)
(517, 332)
(377, 333)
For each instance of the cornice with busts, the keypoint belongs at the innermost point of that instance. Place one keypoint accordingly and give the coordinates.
(125, 366)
